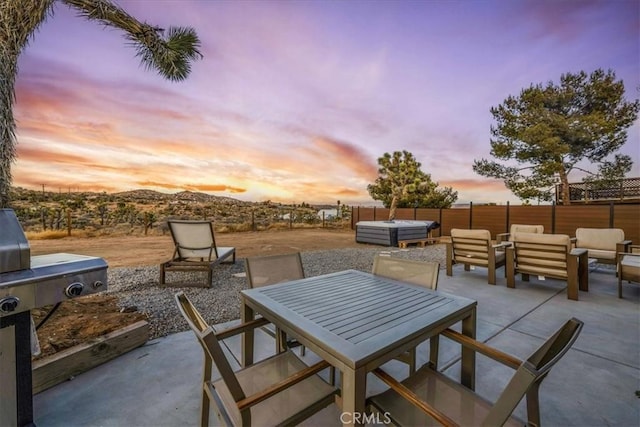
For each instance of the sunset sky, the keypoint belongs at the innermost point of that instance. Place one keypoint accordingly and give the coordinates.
(294, 101)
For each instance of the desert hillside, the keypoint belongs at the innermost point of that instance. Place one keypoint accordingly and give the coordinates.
(46, 213)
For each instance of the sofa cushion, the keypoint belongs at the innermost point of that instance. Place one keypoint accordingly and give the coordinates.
(524, 228)
(604, 239)
(470, 234)
(544, 239)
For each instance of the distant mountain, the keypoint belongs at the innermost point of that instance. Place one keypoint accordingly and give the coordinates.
(147, 195)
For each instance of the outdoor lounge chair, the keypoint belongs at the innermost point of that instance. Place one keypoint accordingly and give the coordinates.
(474, 247)
(280, 390)
(628, 267)
(430, 397)
(269, 270)
(518, 228)
(602, 244)
(195, 249)
(548, 255)
(423, 273)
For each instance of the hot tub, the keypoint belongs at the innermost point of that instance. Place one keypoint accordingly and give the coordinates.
(388, 233)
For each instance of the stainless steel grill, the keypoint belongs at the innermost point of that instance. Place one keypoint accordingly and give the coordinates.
(28, 282)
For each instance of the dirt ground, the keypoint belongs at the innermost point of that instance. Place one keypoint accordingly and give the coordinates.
(82, 319)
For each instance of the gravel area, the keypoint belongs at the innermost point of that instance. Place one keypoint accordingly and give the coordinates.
(138, 286)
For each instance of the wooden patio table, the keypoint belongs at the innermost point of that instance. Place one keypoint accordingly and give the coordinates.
(357, 321)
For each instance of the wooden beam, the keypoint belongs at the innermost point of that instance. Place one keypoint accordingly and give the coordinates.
(53, 370)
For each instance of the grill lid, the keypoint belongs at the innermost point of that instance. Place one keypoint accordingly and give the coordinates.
(15, 253)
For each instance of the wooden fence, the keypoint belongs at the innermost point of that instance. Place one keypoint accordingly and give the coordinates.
(497, 219)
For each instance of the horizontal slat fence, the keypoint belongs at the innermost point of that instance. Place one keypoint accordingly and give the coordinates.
(492, 218)
(498, 219)
(540, 215)
(568, 218)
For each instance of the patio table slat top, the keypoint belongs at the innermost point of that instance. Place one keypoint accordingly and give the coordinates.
(356, 314)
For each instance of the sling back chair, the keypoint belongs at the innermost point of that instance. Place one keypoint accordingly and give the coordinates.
(280, 390)
(195, 249)
(474, 247)
(269, 270)
(429, 397)
(422, 273)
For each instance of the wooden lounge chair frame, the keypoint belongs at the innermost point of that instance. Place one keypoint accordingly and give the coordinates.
(628, 267)
(199, 255)
(288, 382)
(474, 247)
(406, 399)
(548, 255)
(422, 273)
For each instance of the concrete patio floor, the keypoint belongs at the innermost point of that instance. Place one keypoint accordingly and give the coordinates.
(593, 385)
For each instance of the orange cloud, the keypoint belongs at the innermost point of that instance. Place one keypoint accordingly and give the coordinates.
(474, 184)
(44, 155)
(217, 188)
(346, 154)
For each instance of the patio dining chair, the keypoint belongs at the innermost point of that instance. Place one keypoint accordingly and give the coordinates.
(430, 397)
(269, 270)
(422, 273)
(280, 390)
(195, 249)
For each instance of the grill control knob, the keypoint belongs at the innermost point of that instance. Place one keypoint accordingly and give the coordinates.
(98, 284)
(74, 290)
(9, 304)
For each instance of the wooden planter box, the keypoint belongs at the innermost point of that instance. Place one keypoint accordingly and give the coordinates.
(62, 366)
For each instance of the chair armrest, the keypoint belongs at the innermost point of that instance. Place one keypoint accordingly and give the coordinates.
(573, 241)
(623, 246)
(502, 245)
(621, 255)
(578, 252)
(243, 327)
(493, 353)
(502, 237)
(413, 398)
(260, 396)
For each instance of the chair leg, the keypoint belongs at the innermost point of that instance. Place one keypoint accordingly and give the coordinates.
(492, 275)
(533, 405)
(204, 411)
(162, 274)
(619, 286)
(434, 346)
(412, 361)
(510, 269)
(491, 266)
(449, 260)
(281, 341)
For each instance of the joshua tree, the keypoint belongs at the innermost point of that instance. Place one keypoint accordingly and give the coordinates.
(170, 53)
